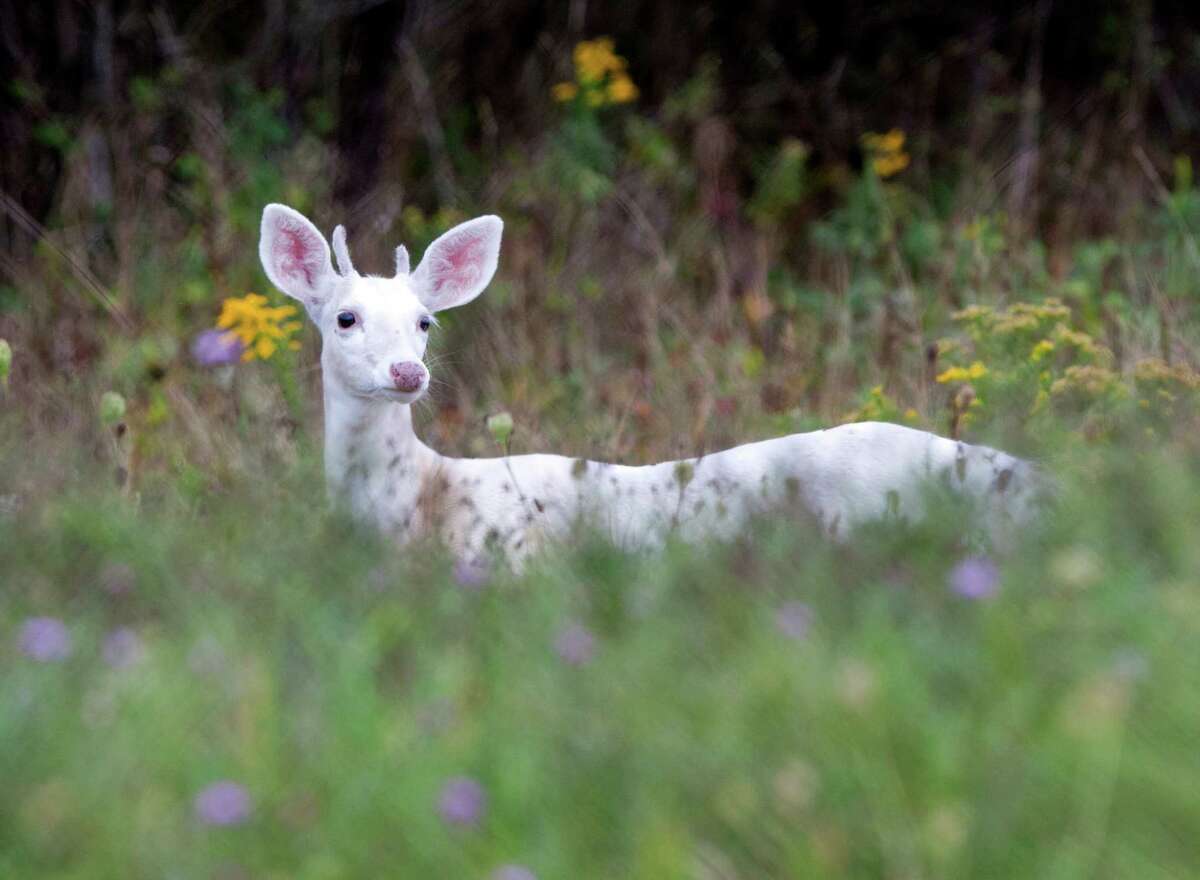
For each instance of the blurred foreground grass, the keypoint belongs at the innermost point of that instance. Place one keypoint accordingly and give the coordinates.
(254, 688)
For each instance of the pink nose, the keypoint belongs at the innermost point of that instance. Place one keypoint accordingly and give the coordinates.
(407, 376)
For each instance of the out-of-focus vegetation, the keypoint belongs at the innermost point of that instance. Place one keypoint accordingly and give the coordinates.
(780, 708)
(720, 226)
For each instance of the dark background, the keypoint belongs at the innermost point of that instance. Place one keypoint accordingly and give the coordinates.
(1072, 82)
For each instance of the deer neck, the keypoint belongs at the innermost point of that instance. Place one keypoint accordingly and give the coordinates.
(373, 459)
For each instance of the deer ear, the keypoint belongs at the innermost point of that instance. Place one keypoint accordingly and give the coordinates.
(295, 255)
(459, 264)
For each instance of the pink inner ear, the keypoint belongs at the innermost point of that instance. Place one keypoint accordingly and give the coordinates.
(296, 252)
(459, 263)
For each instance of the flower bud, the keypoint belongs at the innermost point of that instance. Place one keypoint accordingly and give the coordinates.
(501, 426)
(112, 409)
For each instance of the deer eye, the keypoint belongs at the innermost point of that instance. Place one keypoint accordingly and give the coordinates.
(346, 320)
(424, 323)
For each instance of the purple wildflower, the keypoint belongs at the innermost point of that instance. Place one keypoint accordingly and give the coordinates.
(122, 648)
(216, 348)
(462, 801)
(575, 645)
(223, 803)
(794, 620)
(45, 639)
(512, 872)
(976, 577)
(472, 574)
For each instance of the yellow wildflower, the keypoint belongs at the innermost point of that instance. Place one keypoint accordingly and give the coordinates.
(261, 328)
(622, 90)
(1014, 322)
(892, 142)
(1092, 381)
(565, 91)
(1151, 370)
(894, 163)
(1084, 343)
(974, 313)
(887, 152)
(594, 59)
(1040, 350)
(600, 76)
(1017, 318)
(1156, 370)
(963, 374)
(1052, 307)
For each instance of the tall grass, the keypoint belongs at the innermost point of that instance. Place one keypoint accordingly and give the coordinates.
(774, 707)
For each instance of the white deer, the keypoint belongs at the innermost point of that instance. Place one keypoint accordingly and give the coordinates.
(375, 332)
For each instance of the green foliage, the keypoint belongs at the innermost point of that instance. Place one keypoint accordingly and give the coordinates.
(1179, 224)
(55, 134)
(420, 229)
(861, 226)
(878, 406)
(653, 151)
(782, 184)
(801, 710)
(582, 157)
(1026, 361)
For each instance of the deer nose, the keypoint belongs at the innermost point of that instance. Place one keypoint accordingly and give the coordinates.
(407, 376)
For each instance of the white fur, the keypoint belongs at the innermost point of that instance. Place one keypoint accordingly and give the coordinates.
(841, 477)
(341, 253)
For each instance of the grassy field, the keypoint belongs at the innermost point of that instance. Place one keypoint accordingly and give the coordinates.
(206, 672)
(245, 685)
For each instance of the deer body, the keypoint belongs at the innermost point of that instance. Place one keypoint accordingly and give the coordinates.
(375, 332)
(841, 477)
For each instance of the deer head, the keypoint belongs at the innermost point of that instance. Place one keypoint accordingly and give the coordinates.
(374, 330)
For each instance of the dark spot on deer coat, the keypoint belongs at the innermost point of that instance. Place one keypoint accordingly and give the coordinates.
(1003, 479)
